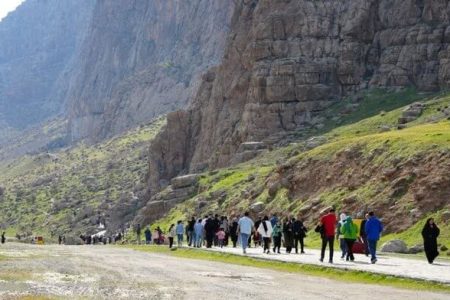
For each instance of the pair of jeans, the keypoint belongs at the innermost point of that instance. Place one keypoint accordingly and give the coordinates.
(244, 240)
(343, 246)
(180, 239)
(198, 240)
(373, 249)
(170, 242)
(330, 241)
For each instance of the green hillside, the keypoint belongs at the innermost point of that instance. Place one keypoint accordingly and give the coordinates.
(71, 191)
(365, 163)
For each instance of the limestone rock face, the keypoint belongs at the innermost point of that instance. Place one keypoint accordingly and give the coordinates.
(142, 59)
(287, 60)
(38, 42)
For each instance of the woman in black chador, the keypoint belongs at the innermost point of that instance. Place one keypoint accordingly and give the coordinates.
(430, 233)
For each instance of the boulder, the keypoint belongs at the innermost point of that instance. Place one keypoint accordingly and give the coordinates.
(445, 216)
(416, 249)
(257, 207)
(395, 246)
(184, 181)
(251, 146)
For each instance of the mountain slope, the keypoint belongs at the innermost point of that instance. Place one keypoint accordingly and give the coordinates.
(72, 190)
(37, 44)
(286, 62)
(142, 59)
(402, 174)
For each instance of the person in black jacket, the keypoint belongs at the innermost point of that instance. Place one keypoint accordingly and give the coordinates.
(210, 231)
(362, 234)
(430, 233)
(233, 232)
(190, 231)
(288, 235)
(299, 231)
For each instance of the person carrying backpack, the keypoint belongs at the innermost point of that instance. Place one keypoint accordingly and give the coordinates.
(299, 231)
(373, 230)
(350, 232)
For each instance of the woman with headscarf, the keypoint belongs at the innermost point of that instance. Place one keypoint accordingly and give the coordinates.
(265, 230)
(340, 237)
(430, 232)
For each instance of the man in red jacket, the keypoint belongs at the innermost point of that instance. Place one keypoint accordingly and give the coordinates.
(329, 229)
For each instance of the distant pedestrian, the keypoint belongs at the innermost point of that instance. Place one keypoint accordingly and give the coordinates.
(148, 235)
(362, 234)
(299, 231)
(3, 237)
(373, 229)
(265, 230)
(198, 234)
(220, 237)
(138, 233)
(288, 235)
(277, 234)
(190, 232)
(172, 234)
(210, 231)
(180, 232)
(340, 236)
(430, 233)
(350, 232)
(59, 239)
(329, 228)
(245, 229)
(233, 232)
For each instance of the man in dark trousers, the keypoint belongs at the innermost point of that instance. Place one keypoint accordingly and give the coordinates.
(299, 234)
(329, 229)
(210, 231)
(362, 234)
(373, 229)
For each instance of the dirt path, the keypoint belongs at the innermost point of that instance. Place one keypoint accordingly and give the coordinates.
(101, 272)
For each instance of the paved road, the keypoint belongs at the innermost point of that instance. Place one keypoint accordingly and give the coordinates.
(102, 272)
(405, 267)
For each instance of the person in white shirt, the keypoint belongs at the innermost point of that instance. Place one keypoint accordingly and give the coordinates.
(265, 230)
(245, 229)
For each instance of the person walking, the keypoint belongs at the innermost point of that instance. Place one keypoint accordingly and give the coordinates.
(198, 234)
(190, 232)
(210, 231)
(245, 229)
(362, 234)
(277, 233)
(299, 231)
(138, 233)
(329, 229)
(3, 239)
(148, 235)
(171, 234)
(180, 232)
(349, 230)
(340, 236)
(233, 231)
(220, 237)
(430, 233)
(265, 230)
(288, 235)
(373, 230)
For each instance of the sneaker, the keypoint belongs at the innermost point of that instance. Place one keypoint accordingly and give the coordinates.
(303, 252)
(330, 261)
(245, 252)
(373, 261)
(321, 260)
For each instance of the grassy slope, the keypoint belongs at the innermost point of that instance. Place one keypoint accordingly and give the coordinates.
(421, 136)
(44, 195)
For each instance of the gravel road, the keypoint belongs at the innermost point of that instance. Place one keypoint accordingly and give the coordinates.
(102, 272)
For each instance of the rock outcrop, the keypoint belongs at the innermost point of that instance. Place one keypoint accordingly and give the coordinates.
(142, 59)
(38, 42)
(286, 61)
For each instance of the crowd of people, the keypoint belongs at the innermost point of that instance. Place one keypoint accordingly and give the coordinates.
(271, 233)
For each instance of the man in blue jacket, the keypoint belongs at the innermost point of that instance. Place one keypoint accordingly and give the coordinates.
(373, 230)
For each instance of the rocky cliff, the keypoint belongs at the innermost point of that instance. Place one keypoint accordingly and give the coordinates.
(286, 61)
(142, 59)
(37, 44)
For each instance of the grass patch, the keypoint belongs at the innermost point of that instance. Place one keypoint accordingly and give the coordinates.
(313, 270)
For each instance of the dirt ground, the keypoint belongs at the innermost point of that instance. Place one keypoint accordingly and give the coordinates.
(102, 272)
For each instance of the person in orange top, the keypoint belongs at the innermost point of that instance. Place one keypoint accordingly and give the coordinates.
(329, 229)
